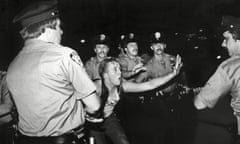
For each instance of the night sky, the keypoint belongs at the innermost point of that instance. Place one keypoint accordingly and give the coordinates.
(85, 18)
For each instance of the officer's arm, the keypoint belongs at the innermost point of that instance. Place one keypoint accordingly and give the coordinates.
(6, 103)
(91, 103)
(124, 68)
(88, 69)
(217, 86)
(85, 89)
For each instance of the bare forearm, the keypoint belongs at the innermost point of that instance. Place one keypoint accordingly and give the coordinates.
(154, 83)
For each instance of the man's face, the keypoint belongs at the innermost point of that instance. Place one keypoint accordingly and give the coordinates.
(132, 49)
(158, 48)
(230, 43)
(101, 50)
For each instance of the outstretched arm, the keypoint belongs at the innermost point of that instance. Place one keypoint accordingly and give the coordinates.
(154, 83)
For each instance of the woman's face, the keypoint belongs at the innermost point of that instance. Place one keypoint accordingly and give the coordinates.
(114, 73)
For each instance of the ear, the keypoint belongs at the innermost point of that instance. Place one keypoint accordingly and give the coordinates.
(105, 75)
(151, 47)
(95, 50)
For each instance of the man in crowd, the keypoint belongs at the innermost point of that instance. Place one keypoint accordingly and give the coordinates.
(48, 82)
(101, 48)
(131, 63)
(159, 65)
(224, 82)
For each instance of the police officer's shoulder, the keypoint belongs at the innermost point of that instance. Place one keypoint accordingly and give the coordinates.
(123, 60)
(230, 63)
(90, 61)
(70, 53)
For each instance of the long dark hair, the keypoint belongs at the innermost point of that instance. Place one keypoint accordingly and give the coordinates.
(103, 69)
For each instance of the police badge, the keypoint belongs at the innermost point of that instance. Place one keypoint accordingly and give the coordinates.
(75, 57)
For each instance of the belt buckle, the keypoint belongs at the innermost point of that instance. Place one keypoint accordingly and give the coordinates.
(141, 98)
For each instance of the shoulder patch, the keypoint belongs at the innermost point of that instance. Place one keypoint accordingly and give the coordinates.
(75, 57)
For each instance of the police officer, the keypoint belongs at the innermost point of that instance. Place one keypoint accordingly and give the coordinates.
(131, 63)
(101, 48)
(159, 65)
(48, 82)
(223, 83)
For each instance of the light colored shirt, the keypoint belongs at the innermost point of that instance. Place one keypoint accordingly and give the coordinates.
(225, 80)
(47, 82)
(158, 68)
(92, 66)
(127, 65)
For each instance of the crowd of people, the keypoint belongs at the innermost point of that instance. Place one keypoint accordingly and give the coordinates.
(49, 96)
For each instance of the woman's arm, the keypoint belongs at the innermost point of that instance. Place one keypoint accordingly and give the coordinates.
(154, 83)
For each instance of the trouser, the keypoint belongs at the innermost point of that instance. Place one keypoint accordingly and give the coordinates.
(68, 138)
(7, 133)
(207, 133)
(111, 130)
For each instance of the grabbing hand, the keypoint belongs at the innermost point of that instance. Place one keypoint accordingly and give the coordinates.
(139, 67)
(93, 120)
(178, 65)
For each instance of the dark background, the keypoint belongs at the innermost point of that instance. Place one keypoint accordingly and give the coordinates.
(181, 20)
(191, 26)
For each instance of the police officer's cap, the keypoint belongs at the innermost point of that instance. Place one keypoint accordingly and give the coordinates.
(230, 22)
(101, 39)
(37, 12)
(157, 37)
(130, 38)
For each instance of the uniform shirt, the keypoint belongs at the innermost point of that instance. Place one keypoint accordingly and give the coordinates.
(127, 65)
(157, 68)
(225, 80)
(47, 82)
(92, 66)
(5, 100)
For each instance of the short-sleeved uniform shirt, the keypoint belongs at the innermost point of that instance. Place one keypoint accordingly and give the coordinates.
(158, 67)
(47, 82)
(92, 66)
(127, 64)
(226, 79)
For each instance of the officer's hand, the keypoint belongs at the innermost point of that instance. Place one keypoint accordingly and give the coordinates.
(178, 65)
(93, 120)
(139, 67)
